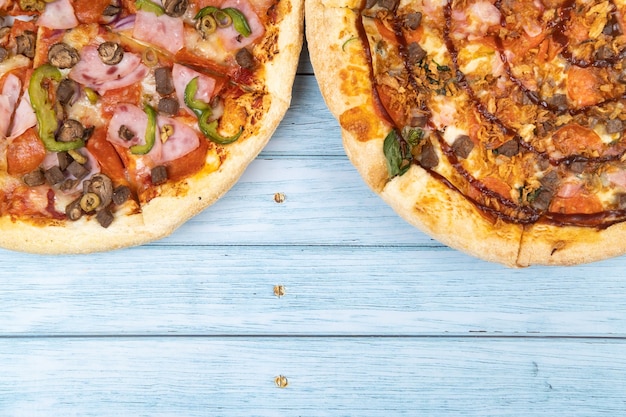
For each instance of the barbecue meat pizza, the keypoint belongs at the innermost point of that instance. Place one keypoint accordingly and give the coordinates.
(496, 127)
(120, 119)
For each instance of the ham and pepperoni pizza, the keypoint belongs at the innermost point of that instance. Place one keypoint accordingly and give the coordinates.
(496, 126)
(121, 119)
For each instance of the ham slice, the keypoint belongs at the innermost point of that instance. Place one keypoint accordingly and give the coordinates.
(183, 140)
(10, 94)
(58, 15)
(232, 40)
(569, 189)
(16, 117)
(163, 31)
(92, 72)
(134, 119)
(24, 117)
(617, 178)
(182, 75)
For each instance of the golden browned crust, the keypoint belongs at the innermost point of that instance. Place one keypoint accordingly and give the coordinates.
(178, 202)
(544, 244)
(429, 205)
(343, 73)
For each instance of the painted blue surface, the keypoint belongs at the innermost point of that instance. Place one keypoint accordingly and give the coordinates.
(372, 318)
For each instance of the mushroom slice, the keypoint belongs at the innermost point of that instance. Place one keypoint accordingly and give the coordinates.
(61, 55)
(102, 186)
(110, 53)
(175, 8)
(70, 130)
(26, 44)
(74, 210)
(67, 91)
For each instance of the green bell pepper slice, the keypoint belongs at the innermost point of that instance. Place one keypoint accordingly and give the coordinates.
(203, 111)
(205, 11)
(209, 129)
(44, 111)
(149, 6)
(150, 132)
(198, 106)
(239, 20)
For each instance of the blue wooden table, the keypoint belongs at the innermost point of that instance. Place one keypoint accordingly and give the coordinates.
(300, 293)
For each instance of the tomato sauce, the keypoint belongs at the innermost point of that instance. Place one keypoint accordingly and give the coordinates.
(89, 11)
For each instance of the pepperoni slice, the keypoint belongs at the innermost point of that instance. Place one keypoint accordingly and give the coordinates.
(492, 184)
(89, 11)
(25, 153)
(582, 202)
(577, 140)
(107, 156)
(583, 86)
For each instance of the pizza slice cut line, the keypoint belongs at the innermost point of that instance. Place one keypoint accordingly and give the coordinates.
(163, 102)
(519, 126)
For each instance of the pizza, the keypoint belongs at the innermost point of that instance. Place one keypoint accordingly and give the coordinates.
(496, 127)
(121, 119)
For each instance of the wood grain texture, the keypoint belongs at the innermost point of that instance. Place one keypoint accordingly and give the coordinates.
(325, 377)
(335, 291)
(374, 318)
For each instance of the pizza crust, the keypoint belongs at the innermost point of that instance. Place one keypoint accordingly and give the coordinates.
(556, 245)
(178, 202)
(343, 73)
(204, 190)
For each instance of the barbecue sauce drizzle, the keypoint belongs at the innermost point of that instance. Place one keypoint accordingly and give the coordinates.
(525, 214)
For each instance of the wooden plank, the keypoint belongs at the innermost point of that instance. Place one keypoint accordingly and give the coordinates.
(325, 377)
(308, 128)
(198, 290)
(325, 203)
(304, 66)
